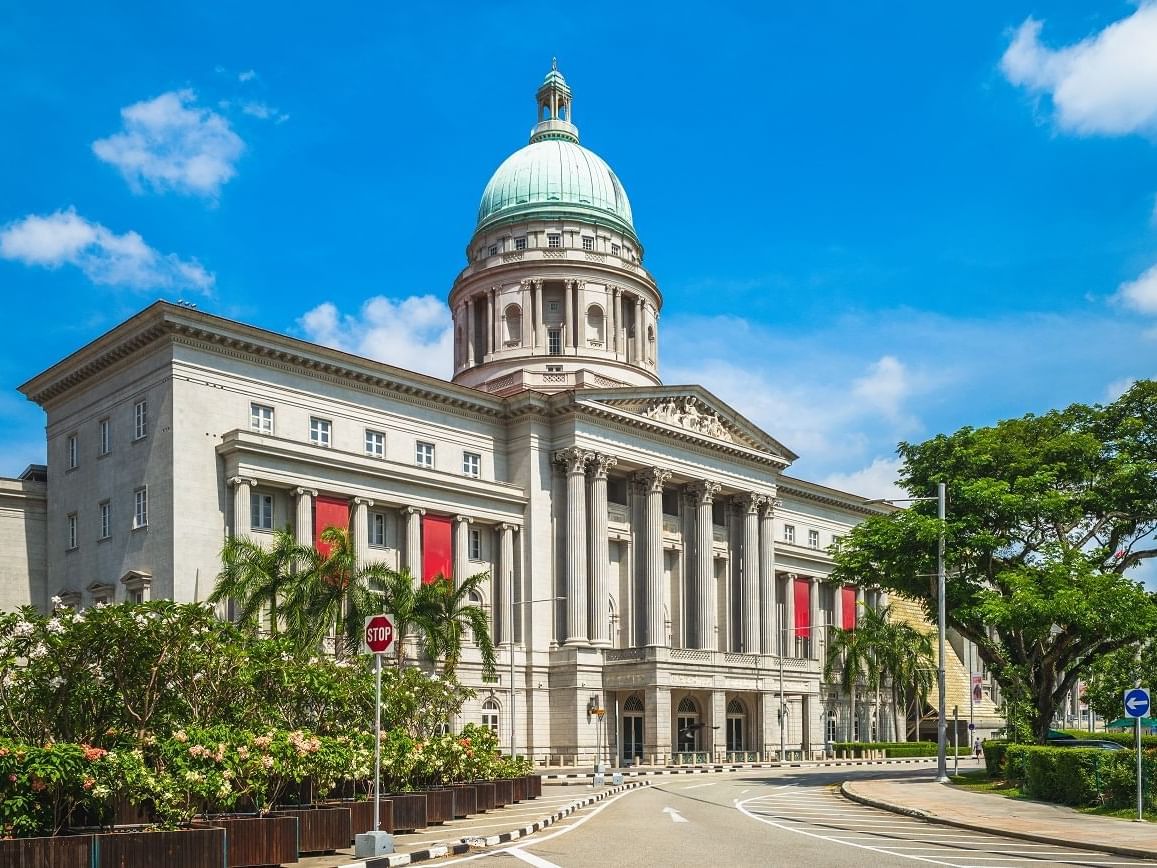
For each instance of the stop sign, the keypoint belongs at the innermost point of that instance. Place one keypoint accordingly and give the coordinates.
(379, 633)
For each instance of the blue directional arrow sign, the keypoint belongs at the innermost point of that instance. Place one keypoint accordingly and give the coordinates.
(1136, 702)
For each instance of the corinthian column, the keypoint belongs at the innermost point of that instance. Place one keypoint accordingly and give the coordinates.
(361, 529)
(462, 547)
(575, 460)
(303, 515)
(751, 637)
(539, 317)
(242, 505)
(505, 604)
(414, 540)
(657, 609)
(705, 604)
(767, 603)
(600, 562)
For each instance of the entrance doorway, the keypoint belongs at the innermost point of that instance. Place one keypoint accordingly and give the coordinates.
(687, 726)
(736, 726)
(632, 729)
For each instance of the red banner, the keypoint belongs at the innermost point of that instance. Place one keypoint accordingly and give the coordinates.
(437, 548)
(849, 603)
(802, 608)
(328, 512)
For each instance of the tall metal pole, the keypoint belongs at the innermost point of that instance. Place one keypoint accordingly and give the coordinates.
(942, 722)
(782, 706)
(1140, 787)
(510, 651)
(378, 741)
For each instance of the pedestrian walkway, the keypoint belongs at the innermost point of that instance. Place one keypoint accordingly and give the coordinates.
(990, 813)
(583, 776)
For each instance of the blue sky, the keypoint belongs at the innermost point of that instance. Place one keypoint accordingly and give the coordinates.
(868, 226)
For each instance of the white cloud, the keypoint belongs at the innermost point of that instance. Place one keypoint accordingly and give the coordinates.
(170, 143)
(877, 480)
(1106, 83)
(66, 238)
(247, 75)
(415, 333)
(885, 386)
(264, 112)
(1140, 294)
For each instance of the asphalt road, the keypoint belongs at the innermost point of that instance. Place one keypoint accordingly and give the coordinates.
(789, 817)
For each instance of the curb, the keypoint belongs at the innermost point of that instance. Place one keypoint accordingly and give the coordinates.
(1071, 843)
(586, 776)
(474, 844)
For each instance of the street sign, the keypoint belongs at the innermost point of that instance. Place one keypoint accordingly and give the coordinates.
(379, 633)
(1136, 702)
(971, 727)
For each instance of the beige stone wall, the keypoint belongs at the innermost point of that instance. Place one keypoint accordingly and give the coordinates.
(23, 564)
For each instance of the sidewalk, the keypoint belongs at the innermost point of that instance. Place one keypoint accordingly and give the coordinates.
(984, 812)
(582, 776)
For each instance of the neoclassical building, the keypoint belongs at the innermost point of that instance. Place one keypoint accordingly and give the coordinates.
(648, 554)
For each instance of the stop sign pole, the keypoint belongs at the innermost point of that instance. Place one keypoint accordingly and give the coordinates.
(379, 639)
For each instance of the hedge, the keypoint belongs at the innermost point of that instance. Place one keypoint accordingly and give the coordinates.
(895, 749)
(1128, 739)
(995, 757)
(1077, 776)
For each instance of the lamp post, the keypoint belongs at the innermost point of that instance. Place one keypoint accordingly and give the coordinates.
(941, 618)
(510, 651)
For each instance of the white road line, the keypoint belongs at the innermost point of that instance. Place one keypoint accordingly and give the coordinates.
(530, 858)
(700, 786)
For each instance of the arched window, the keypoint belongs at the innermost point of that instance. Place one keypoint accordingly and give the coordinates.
(513, 318)
(490, 711)
(634, 704)
(736, 707)
(736, 735)
(687, 725)
(595, 320)
(651, 343)
(687, 706)
(475, 599)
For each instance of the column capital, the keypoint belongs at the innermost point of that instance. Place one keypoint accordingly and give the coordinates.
(241, 480)
(752, 502)
(705, 490)
(537, 282)
(770, 504)
(574, 458)
(413, 510)
(507, 526)
(601, 463)
(305, 492)
(652, 478)
(465, 519)
(494, 289)
(525, 282)
(362, 501)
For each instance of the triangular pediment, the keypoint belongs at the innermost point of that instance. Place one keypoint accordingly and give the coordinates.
(691, 410)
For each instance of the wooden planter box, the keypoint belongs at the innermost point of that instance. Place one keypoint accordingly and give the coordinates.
(319, 829)
(362, 815)
(486, 796)
(533, 786)
(61, 851)
(409, 811)
(503, 792)
(439, 806)
(465, 800)
(185, 848)
(258, 841)
(519, 789)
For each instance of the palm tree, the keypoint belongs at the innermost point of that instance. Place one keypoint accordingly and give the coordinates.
(256, 577)
(912, 666)
(412, 604)
(847, 663)
(455, 614)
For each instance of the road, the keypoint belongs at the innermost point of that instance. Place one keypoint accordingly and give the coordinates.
(788, 817)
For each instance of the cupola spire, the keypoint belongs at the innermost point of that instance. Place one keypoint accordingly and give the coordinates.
(555, 108)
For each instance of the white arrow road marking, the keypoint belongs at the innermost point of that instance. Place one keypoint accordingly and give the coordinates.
(676, 817)
(530, 858)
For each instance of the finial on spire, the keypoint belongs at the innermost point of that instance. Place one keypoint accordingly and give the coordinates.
(554, 63)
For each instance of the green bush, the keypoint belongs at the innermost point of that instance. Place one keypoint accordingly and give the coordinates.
(894, 749)
(1128, 739)
(995, 758)
(1077, 776)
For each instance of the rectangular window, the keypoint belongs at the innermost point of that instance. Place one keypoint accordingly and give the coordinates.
(377, 529)
(424, 454)
(554, 342)
(553, 240)
(588, 243)
(105, 520)
(616, 250)
(141, 508)
(490, 720)
(375, 444)
(813, 539)
(261, 418)
(104, 436)
(261, 511)
(493, 250)
(472, 464)
(520, 243)
(319, 431)
(475, 544)
(140, 419)
(73, 451)
(71, 530)
(789, 533)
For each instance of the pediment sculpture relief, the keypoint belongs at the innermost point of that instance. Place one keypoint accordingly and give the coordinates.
(688, 413)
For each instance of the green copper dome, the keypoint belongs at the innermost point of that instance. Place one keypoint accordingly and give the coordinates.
(552, 178)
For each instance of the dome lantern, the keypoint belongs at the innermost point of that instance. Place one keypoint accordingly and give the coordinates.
(555, 105)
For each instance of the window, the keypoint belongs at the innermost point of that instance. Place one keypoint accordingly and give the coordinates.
(261, 418)
(492, 250)
(588, 243)
(616, 250)
(553, 240)
(71, 530)
(104, 436)
(378, 529)
(140, 419)
(375, 444)
(141, 508)
(105, 520)
(520, 243)
(813, 539)
(475, 544)
(554, 342)
(136, 595)
(789, 533)
(490, 715)
(261, 511)
(319, 431)
(471, 464)
(424, 454)
(554, 369)
(73, 451)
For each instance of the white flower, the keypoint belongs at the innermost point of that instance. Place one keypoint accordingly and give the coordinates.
(23, 629)
(38, 651)
(54, 626)
(57, 601)
(56, 682)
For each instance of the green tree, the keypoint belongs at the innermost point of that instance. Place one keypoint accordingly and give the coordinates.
(414, 608)
(256, 578)
(848, 660)
(454, 614)
(1110, 676)
(1046, 514)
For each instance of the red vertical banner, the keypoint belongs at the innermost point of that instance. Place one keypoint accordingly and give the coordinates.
(328, 512)
(803, 610)
(850, 613)
(437, 548)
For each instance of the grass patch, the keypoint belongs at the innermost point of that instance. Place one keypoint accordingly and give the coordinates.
(1150, 814)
